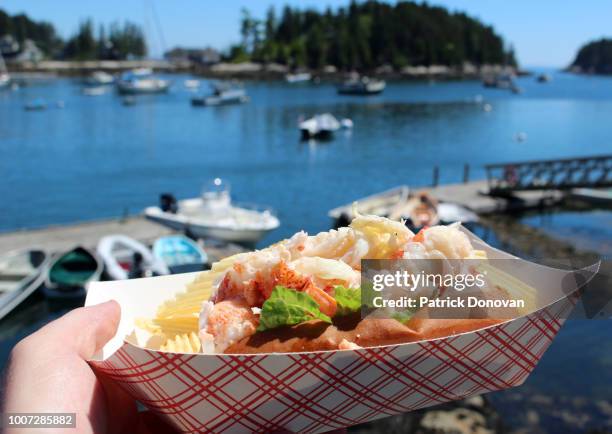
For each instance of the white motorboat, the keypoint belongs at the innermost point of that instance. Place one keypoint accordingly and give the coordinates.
(214, 215)
(126, 258)
(361, 86)
(141, 81)
(99, 78)
(21, 273)
(223, 94)
(320, 126)
(298, 77)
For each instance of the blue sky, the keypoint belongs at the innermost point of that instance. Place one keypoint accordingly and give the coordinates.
(544, 32)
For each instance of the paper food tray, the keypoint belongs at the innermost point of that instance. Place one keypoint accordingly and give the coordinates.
(320, 391)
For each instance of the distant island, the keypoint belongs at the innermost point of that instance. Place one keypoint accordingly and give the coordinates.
(366, 35)
(404, 39)
(594, 58)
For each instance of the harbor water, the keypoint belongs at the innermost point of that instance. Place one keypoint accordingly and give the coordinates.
(93, 157)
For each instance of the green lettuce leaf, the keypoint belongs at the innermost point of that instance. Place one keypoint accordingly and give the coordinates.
(288, 307)
(348, 299)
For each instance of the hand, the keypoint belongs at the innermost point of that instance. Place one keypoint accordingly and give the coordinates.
(48, 373)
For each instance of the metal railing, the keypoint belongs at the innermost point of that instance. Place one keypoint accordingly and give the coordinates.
(561, 174)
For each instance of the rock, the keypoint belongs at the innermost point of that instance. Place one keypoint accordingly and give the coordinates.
(532, 417)
(458, 421)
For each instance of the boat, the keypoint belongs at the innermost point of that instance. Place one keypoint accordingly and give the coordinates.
(94, 91)
(299, 77)
(417, 209)
(126, 258)
(321, 126)
(376, 204)
(222, 94)
(500, 81)
(180, 254)
(141, 81)
(70, 272)
(361, 86)
(21, 273)
(99, 78)
(5, 78)
(192, 84)
(543, 78)
(37, 104)
(214, 215)
(594, 196)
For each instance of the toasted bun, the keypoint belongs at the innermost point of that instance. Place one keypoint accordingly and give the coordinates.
(368, 332)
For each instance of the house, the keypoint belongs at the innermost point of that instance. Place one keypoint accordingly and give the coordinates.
(13, 51)
(201, 56)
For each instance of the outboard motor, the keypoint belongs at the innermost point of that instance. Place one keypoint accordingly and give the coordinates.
(168, 203)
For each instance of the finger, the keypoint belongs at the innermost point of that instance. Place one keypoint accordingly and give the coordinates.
(83, 331)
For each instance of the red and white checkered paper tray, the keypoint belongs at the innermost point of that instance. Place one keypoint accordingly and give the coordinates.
(320, 391)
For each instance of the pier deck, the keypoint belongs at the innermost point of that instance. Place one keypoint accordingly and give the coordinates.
(471, 195)
(62, 237)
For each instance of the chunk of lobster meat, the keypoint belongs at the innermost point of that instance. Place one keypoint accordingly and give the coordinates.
(225, 323)
(440, 242)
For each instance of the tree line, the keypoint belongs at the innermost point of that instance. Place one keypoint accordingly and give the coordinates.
(595, 57)
(114, 42)
(368, 34)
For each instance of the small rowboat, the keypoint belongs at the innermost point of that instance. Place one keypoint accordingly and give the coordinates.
(21, 273)
(126, 258)
(180, 254)
(70, 272)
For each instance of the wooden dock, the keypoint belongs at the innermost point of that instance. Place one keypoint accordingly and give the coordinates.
(474, 196)
(471, 195)
(62, 237)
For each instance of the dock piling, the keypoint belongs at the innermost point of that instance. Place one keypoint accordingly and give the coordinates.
(436, 176)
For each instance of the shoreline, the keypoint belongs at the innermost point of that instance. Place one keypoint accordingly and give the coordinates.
(258, 71)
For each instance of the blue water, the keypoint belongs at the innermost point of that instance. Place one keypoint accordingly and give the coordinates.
(97, 158)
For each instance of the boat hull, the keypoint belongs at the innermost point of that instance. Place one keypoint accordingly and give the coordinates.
(124, 89)
(244, 236)
(54, 288)
(27, 285)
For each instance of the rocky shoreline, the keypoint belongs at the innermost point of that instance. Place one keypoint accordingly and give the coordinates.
(259, 71)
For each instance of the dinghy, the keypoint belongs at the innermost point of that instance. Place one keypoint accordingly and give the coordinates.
(70, 272)
(21, 273)
(180, 254)
(214, 215)
(126, 258)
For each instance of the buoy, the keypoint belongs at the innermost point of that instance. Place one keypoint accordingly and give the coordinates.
(346, 123)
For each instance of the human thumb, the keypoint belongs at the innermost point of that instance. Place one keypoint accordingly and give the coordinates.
(83, 331)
